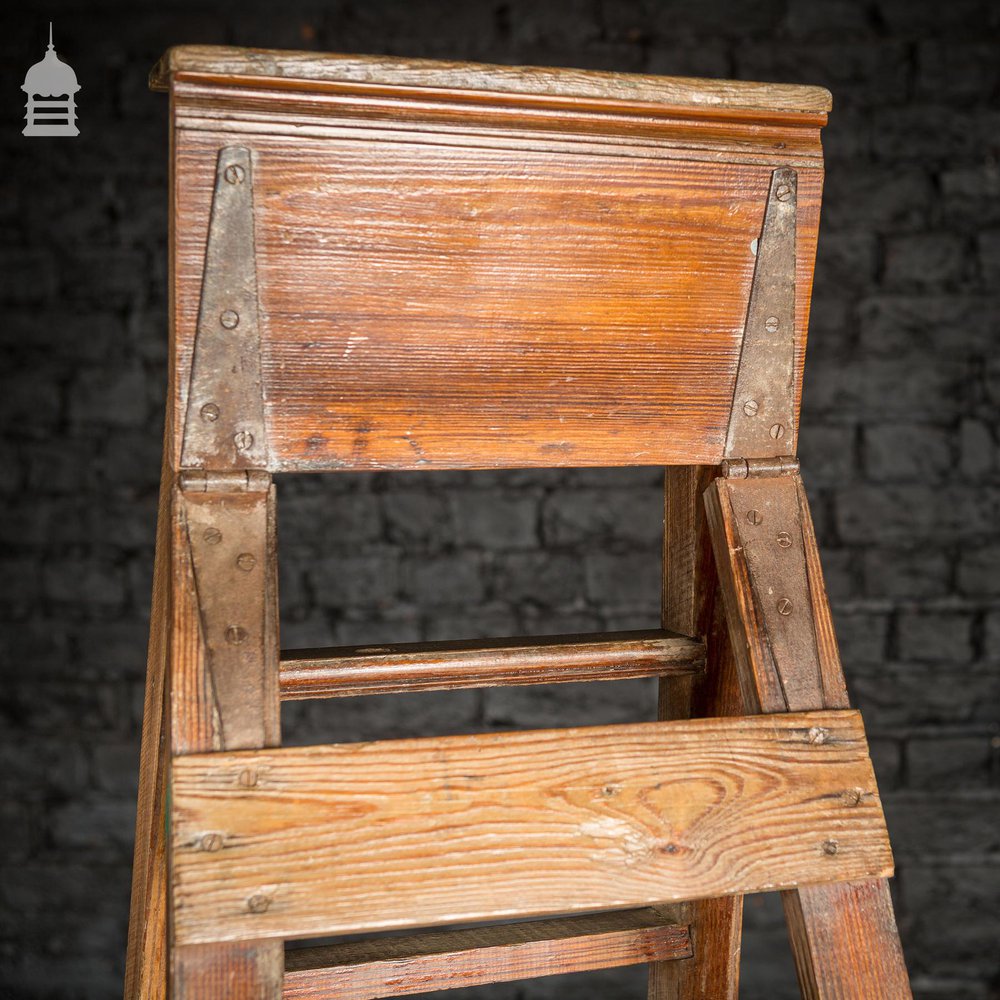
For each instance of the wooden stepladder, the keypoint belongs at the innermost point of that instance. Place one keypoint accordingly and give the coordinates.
(382, 264)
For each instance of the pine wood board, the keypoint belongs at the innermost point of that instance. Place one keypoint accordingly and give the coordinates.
(413, 300)
(359, 837)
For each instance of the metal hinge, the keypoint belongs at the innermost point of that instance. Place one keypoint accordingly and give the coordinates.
(246, 481)
(761, 420)
(224, 426)
(757, 468)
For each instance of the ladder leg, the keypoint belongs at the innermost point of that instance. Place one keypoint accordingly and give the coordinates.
(689, 607)
(145, 967)
(224, 687)
(844, 935)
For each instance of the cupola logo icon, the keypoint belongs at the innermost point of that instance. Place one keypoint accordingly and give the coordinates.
(51, 88)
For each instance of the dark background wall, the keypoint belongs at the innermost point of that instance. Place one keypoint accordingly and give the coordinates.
(899, 446)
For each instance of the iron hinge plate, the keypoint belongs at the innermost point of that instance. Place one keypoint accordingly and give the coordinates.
(768, 519)
(228, 537)
(761, 420)
(224, 426)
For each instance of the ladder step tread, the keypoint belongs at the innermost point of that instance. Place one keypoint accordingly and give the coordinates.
(341, 671)
(348, 838)
(390, 967)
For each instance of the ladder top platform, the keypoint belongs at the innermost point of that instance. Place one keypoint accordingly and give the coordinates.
(311, 68)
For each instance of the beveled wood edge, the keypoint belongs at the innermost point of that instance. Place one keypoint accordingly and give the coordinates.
(483, 78)
(342, 671)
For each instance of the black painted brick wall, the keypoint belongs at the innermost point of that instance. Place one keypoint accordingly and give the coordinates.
(899, 446)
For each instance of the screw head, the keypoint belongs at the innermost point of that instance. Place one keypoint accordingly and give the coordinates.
(771, 324)
(784, 606)
(210, 413)
(750, 407)
(854, 796)
(246, 561)
(248, 778)
(830, 847)
(755, 516)
(817, 734)
(211, 842)
(243, 440)
(777, 431)
(236, 634)
(212, 536)
(234, 174)
(258, 903)
(784, 539)
(230, 319)
(783, 192)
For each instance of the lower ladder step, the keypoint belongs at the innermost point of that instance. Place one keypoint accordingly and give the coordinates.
(392, 967)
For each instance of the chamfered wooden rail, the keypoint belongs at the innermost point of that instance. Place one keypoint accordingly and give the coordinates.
(299, 842)
(552, 659)
(419, 963)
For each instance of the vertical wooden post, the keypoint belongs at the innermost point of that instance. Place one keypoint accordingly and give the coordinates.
(224, 684)
(689, 606)
(844, 935)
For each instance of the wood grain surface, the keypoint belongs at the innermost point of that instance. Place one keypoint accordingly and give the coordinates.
(343, 671)
(404, 833)
(689, 604)
(314, 68)
(415, 279)
(389, 967)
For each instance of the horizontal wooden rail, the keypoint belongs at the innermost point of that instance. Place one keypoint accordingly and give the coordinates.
(434, 666)
(350, 838)
(392, 967)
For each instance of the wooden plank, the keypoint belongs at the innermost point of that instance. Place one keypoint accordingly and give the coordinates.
(390, 967)
(689, 604)
(529, 81)
(845, 941)
(461, 334)
(211, 710)
(146, 959)
(438, 666)
(367, 836)
(844, 937)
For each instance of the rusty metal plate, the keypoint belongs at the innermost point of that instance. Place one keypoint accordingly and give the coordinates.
(228, 540)
(224, 426)
(761, 422)
(769, 525)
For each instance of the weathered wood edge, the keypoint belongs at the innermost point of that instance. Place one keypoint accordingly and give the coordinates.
(383, 967)
(516, 81)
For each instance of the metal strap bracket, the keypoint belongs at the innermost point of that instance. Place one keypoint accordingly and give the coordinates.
(228, 541)
(769, 523)
(224, 427)
(761, 421)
